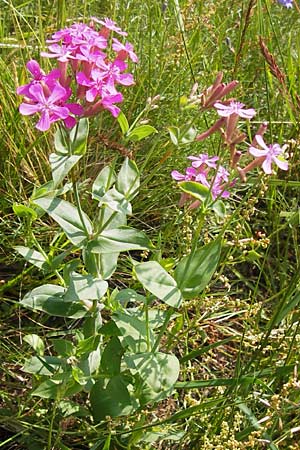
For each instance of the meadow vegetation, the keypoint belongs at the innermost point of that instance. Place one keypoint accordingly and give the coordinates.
(225, 345)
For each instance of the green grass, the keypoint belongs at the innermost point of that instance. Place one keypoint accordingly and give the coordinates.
(239, 341)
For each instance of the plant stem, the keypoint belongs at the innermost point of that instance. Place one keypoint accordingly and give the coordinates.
(163, 329)
(78, 205)
(49, 446)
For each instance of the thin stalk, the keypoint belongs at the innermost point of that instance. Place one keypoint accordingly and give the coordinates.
(147, 326)
(107, 222)
(163, 329)
(78, 205)
(49, 446)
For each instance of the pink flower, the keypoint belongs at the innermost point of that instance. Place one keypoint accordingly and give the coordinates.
(38, 76)
(190, 174)
(49, 107)
(62, 52)
(198, 161)
(124, 50)
(109, 25)
(270, 154)
(111, 72)
(234, 108)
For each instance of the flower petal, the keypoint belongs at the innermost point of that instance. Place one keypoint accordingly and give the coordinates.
(44, 122)
(26, 109)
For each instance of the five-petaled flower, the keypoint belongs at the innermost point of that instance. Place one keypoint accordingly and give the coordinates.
(48, 106)
(269, 154)
(233, 107)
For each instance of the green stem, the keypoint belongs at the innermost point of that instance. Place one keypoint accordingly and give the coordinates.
(78, 205)
(41, 250)
(49, 446)
(107, 222)
(163, 329)
(147, 326)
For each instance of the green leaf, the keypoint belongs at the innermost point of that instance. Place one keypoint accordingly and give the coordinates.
(178, 137)
(103, 182)
(113, 400)
(43, 365)
(72, 142)
(219, 208)
(61, 141)
(128, 181)
(159, 372)
(67, 216)
(134, 332)
(111, 357)
(126, 296)
(196, 190)
(123, 122)
(49, 298)
(61, 166)
(108, 264)
(78, 136)
(63, 347)
(32, 256)
(48, 389)
(194, 271)
(141, 132)
(35, 342)
(157, 281)
(48, 190)
(116, 201)
(174, 134)
(120, 240)
(24, 211)
(85, 287)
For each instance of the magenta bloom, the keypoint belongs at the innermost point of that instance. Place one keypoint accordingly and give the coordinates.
(110, 25)
(124, 50)
(270, 154)
(49, 108)
(61, 52)
(38, 76)
(234, 108)
(189, 175)
(85, 71)
(205, 172)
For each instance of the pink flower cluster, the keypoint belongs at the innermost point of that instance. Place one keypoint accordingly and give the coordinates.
(229, 112)
(84, 71)
(204, 170)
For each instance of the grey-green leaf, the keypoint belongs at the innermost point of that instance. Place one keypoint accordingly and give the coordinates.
(61, 166)
(49, 298)
(128, 181)
(103, 182)
(32, 256)
(113, 400)
(85, 287)
(120, 240)
(67, 216)
(194, 271)
(156, 280)
(159, 372)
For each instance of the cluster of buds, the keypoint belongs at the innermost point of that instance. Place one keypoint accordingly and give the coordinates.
(84, 72)
(229, 111)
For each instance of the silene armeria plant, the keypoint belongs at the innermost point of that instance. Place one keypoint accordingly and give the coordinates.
(111, 350)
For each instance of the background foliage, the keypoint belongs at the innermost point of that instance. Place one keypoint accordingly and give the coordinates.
(238, 343)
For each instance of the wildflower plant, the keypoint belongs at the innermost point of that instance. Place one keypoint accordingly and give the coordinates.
(119, 361)
(206, 182)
